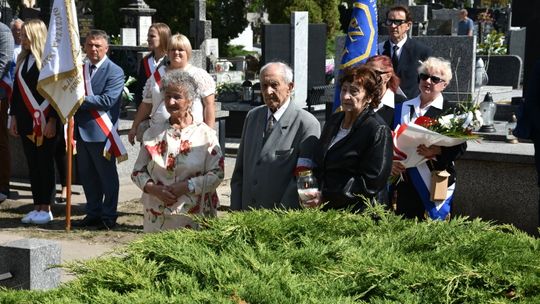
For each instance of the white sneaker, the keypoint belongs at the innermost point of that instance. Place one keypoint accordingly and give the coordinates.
(42, 217)
(27, 219)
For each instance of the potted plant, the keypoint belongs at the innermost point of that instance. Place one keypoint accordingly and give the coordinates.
(228, 91)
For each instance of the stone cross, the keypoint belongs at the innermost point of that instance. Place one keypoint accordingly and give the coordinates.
(200, 29)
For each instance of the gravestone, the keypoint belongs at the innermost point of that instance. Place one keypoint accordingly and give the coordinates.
(299, 22)
(129, 36)
(446, 14)
(516, 42)
(31, 264)
(503, 70)
(200, 29)
(459, 50)
(439, 28)
(138, 15)
(278, 44)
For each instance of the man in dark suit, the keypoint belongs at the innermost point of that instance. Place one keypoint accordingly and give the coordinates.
(277, 137)
(6, 54)
(528, 125)
(404, 51)
(104, 82)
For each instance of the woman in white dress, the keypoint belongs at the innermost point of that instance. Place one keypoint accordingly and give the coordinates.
(178, 56)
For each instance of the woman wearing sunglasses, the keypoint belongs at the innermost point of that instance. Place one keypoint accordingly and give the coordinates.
(413, 197)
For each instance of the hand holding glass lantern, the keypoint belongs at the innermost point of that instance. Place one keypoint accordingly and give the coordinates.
(308, 188)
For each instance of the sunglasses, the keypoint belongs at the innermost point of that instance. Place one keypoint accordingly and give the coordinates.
(434, 79)
(396, 22)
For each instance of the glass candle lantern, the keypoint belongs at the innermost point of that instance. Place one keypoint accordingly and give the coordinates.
(488, 109)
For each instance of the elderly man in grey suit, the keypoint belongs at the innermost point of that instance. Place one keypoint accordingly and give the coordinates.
(276, 138)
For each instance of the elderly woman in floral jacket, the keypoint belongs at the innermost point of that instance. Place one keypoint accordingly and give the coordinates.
(181, 164)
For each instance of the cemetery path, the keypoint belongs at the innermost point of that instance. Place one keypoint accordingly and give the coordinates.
(83, 244)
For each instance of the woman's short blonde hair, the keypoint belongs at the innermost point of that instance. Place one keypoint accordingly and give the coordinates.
(439, 65)
(179, 41)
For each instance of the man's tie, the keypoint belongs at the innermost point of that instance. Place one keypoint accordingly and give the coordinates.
(92, 69)
(395, 58)
(269, 126)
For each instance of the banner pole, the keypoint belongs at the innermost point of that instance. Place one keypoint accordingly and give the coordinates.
(69, 157)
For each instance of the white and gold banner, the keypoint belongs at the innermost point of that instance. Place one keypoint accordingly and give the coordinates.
(61, 79)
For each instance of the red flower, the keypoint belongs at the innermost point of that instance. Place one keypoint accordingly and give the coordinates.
(170, 162)
(185, 147)
(222, 163)
(157, 149)
(425, 122)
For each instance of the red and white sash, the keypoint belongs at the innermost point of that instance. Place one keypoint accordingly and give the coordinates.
(37, 111)
(113, 145)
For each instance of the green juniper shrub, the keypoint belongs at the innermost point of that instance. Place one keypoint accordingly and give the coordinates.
(309, 256)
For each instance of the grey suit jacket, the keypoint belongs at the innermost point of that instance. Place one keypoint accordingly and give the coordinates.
(263, 176)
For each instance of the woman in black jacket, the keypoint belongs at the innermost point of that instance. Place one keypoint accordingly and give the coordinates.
(35, 121)
(354, 155)
(413, 191)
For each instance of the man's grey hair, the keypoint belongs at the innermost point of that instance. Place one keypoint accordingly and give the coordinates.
(98, 33)
(15, 21)
(181, 80)
(287, 72)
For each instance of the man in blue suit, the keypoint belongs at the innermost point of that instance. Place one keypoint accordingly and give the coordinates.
(100, 110)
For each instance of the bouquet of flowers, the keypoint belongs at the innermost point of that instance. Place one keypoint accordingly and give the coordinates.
(446, 131)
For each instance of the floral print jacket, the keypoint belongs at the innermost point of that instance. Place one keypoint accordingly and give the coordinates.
(169, 155)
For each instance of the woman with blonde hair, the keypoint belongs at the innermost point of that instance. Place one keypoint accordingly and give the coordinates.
(413, 191)
(36, 121)
(157, 38)
(203, 106)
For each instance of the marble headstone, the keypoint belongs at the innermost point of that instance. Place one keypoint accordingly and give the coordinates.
(459, 50)
(31, 263)
(299, 51)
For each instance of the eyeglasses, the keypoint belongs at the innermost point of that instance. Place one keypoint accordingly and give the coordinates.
(396, 22)
(434, 79)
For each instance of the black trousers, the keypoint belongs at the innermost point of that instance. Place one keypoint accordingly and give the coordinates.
(537, 163)
(41, 169)
(60, 156)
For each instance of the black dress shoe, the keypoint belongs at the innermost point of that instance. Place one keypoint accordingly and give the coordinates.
(106, 225)
(87, 222)
(60, 200)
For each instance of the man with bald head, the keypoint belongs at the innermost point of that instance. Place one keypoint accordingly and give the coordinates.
(277, 137)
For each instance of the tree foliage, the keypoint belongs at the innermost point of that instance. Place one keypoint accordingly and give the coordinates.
(320, 11)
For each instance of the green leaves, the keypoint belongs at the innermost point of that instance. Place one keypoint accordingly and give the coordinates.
(310, 256)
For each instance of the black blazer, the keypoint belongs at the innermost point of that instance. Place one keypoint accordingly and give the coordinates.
(387, 113)
(25, 124)
(411, 53)
(359, 164)
(141, 81)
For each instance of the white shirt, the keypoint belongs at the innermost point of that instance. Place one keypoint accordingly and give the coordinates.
(414, 105)
(387, 99)
(399, 44)
(280, 111)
